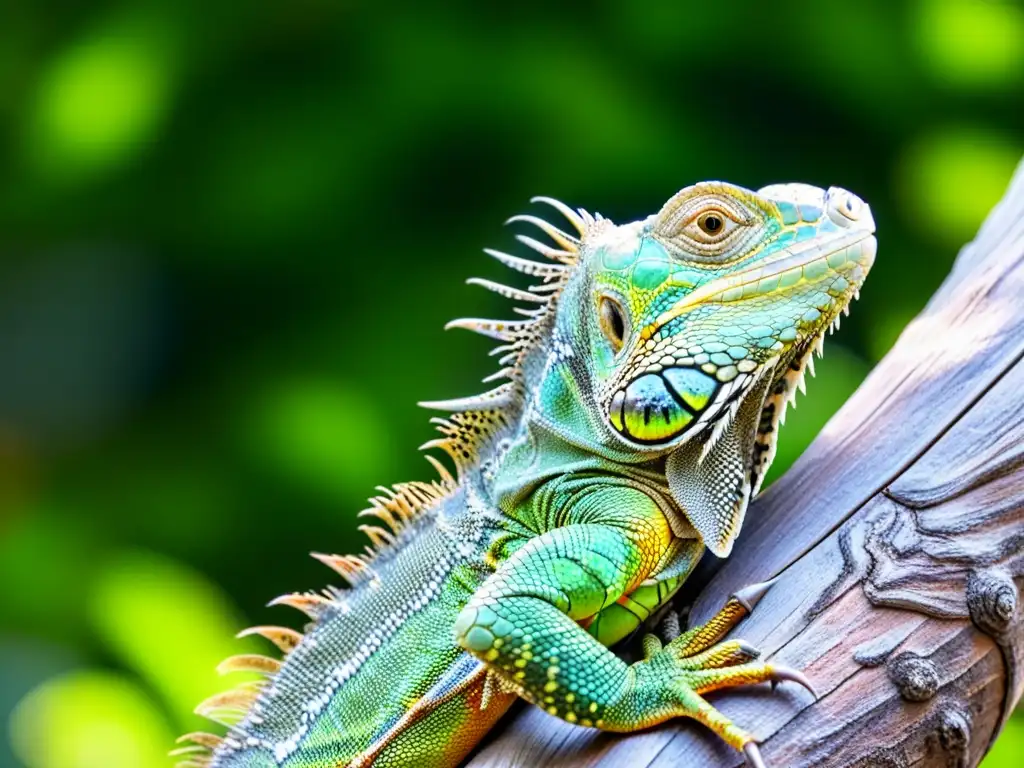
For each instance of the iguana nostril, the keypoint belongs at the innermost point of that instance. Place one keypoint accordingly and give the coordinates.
(844, 208)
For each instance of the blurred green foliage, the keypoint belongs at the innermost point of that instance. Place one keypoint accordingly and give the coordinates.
(231, 234)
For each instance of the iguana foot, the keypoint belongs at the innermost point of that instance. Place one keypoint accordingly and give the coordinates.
(698, 661)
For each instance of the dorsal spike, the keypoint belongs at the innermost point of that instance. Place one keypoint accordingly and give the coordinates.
(390, 493)
(425, 493)
(526, 266)
(310, 604)
(337, 563)
(402, 506)
(503, 349)
(378, 536)
(384, 514)
(335, 594)
(571, 216)
(352, 568)
(203, 759)
(249, 662)
(506, 290)
(546, 289)
(494, 398)
(416, 493)
(533, 313)
(562, 257)
(502, 330)
(196, 755)
(285, 638)
(446, 477)
(564, 239)
(201, 738)
(229, 707)
(503, 373)
(359, 564)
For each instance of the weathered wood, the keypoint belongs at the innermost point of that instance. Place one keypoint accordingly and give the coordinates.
(898, 538)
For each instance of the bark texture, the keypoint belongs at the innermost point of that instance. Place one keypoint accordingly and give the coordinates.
(898, 540)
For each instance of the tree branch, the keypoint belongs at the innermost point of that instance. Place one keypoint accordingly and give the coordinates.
(898, 538)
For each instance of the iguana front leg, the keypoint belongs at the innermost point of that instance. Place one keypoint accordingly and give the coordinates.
(522, 623)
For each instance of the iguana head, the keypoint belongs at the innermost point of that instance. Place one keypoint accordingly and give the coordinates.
(694, 304)
(679, 338)
(702, 319)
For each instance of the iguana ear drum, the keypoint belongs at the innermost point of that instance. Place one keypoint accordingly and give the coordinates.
(656, 407)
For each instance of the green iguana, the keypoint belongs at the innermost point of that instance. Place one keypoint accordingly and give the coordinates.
(645, 386)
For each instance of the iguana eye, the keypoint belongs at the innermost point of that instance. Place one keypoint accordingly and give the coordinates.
(612, 318)
(712, 226)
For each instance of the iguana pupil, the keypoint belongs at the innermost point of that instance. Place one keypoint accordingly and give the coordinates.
(710, 223)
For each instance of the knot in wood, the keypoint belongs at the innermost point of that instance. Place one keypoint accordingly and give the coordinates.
(992, 601)
(915, 677)
(955, 735)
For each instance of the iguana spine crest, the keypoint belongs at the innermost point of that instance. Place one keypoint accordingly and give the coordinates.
(471, 424)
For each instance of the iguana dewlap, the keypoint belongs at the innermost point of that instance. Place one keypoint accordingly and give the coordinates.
(644, 385)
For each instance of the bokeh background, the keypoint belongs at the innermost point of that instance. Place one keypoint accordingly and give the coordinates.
(230, 234)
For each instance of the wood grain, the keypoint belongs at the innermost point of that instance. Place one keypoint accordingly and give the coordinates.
(898, 538)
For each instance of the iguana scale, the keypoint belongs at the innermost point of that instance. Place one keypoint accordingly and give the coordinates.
(644, 386)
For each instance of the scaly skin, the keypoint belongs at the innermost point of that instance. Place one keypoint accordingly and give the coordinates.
(644, 397)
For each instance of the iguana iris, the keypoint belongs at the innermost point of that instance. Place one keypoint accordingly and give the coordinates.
(645, 386)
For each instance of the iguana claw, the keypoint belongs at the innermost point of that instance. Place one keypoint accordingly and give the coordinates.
(780, 673)
(751, 594)
(753, 755)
